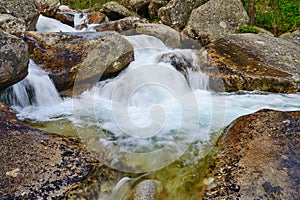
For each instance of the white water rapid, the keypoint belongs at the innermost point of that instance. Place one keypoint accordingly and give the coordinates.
(146, 117)
(149, 110)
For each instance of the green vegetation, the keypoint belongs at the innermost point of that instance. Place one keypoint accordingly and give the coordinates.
(86, 4)
(247, 29)
(277, 16)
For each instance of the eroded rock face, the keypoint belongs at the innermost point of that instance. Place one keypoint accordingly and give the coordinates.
(12, 25)
(216, 19)
(176, 13)
(255, 62)
(38, 165)
(260, 158)
(13, 60)
(86, 57)
(21, 9)
(115, 11)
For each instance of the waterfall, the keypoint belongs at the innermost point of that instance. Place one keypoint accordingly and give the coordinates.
(37, 89)
(46, 24)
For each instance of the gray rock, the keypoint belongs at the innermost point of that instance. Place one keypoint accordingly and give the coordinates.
(135, 25)
(121, 25)
(154, 6)
(82, 57)
(255, 62)
(13, 59)
(176, 13)
(115, 11)
(12, 25)
(50, 5)
(216, 19)
(140, 7)
(21, 9)
(293, 37)
(169, 36)
(259, 158)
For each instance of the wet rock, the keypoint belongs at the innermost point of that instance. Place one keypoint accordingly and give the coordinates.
(115, 11)
(259, 158)
(255, 62)
(13, 60)
(147, 190)
(39, 165)
(215, 19)
(85, 18)
(82, 57)
(64, 17)
(154, 6)
(176, 13)
(95, 18)
(12, 25)
(293, 37)
(26, 10)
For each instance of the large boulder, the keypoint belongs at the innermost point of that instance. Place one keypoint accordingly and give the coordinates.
(168, 35)
(12, 25)
(293, 37)
(216, 19)
(255, 62)
(115, 11)
(259, 158)
(64, 55)
(38, 165)
(176, 13)
(13, 60)
(21, 9)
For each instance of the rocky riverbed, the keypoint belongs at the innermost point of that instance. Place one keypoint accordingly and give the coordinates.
(255, 157)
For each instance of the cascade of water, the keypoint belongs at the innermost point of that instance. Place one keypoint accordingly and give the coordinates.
(46, 24)
(36, 89)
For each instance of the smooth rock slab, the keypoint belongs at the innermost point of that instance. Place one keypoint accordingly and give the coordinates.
(259, 159)
(255, 62)
(38, 165)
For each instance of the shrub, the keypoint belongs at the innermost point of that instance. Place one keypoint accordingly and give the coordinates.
(247, 29)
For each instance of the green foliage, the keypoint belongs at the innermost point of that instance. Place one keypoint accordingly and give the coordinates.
(154, 20)
(277, 16)
(86, 4)
(247, 29)
(204, 1)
